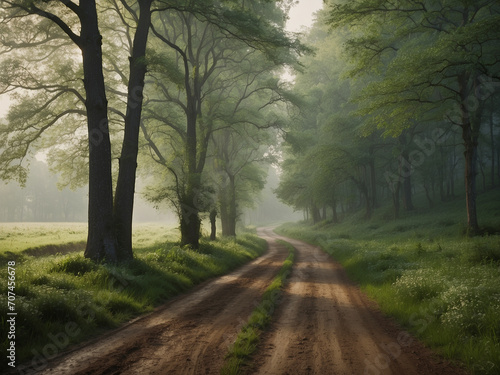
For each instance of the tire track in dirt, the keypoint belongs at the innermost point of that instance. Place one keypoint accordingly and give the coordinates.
(189, 335)
(326, 325)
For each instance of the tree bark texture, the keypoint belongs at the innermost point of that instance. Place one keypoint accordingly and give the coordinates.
(406, 175)
(316, 215)
(213, 224)
(492, 139)
(395, 199)
(228, 214)
(190, 221)
(470, 139)
(125, 188)
(101, 240)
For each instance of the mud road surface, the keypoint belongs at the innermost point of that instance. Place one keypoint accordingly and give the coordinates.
(323, 325)
(326, 325)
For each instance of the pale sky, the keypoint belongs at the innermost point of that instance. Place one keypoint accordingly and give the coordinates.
(302, 14)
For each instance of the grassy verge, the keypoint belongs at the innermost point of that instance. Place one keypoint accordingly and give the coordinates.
(440, 285)
(249, 336)
(64, 299)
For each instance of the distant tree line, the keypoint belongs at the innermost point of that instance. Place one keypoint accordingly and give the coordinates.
(400, 97)
(41, 200)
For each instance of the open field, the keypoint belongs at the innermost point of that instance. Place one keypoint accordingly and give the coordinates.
(18, 237)
(440, 285)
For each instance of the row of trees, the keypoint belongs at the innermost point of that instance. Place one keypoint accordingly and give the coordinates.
(40, 199)
(187, 82)
(396, 93)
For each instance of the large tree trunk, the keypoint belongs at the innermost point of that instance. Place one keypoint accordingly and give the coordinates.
(224, 212)
(492, 139)
(190, 222)
(470, 181)
(190, 210)
(335, 217)
(395, 199)
(213, 224)
(427, 195)
(315, 213)
(101, 240)
(373, 182)
(229, 209)
(441, 175)
(405, 171)
(125, 188)
(233, 209)
(407, 192)
(470, 138)
(368, 203)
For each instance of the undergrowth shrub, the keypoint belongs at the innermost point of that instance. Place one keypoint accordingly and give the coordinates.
(28, 316)
(484, 250)
(75, 264)
(121, 304)
(470, 308)
(59, 305)
(420, 284)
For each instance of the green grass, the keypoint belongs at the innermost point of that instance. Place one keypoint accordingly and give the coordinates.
(64, 299)
(19, 237)
(440, 285)
(249, 336)
(16, 237)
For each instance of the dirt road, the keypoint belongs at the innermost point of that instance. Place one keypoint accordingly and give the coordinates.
(326, 325)
(323, 325)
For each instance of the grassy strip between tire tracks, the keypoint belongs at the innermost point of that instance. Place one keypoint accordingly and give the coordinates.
(65, 299)
(249, 336)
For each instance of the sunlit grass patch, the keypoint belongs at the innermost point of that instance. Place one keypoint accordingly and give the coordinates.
(41, 239)
(16, 237)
